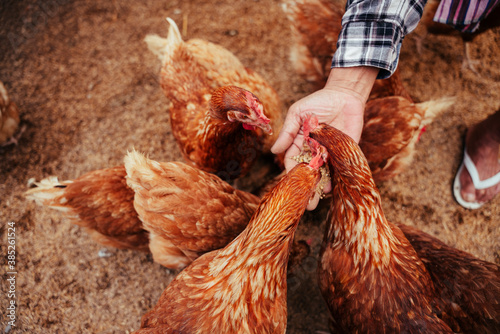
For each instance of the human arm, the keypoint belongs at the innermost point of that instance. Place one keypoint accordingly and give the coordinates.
(367, 48)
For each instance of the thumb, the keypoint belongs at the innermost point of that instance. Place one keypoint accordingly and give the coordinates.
(287, 135)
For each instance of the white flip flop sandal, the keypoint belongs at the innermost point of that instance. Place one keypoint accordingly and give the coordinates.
(478, 184)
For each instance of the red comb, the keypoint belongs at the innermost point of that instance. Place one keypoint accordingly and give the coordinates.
(319, 153)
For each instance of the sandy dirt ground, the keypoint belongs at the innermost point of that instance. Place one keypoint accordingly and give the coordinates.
(88, 91)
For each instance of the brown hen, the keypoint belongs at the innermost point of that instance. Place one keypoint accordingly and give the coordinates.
(392, 122)
(187, 211)
(375, 280)
(176, 211)
(392, 127)
(219, 143)
(242, 287)
(99, 201)
(315, 26)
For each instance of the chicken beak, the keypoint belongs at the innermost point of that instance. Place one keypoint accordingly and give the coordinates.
(267, 128)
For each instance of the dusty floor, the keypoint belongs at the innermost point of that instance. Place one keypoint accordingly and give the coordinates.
(87, 89)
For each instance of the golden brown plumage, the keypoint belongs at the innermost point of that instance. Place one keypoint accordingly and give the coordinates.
(176, 211)
(191, 71)
(99, 201)
(9, 117)
(392, 126)
(187, 211)
(315, 26)
(468, 288)
(242, 287)
(374, 279)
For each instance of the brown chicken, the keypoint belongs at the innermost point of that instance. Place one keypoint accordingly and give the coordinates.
(99, 201)
(375, 279)
(468, 288)
(241, 288)
(392, 127)
(176, 211)
(209, 131)
(315, 26)
(187, 211)
(9, 118)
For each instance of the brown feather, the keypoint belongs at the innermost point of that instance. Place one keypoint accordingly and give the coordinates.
(369, 274)
(191, 71)
(392, 127)
(242, 287)
(468, 288)
(186, 209)
(101, 202)
(373, 271)
(9, 116)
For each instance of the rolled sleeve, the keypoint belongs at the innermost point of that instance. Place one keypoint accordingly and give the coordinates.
(373, 31)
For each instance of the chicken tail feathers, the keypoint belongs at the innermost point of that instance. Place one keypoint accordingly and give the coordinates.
(161, 46)
(139, 170)
(435, 107)
(3, 95)
(49, 192)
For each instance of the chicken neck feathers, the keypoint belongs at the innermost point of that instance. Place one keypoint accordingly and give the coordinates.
(242, 287)
(370, 275)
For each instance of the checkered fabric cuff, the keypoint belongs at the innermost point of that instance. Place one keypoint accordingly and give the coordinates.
(373, 43)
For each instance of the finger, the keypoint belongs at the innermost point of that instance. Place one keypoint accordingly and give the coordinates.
(289, 164)
(294, 150)
(327, 188)
(288, 132)
(313, 202)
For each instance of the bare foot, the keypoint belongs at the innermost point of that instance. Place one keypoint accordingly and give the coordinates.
(482, 144)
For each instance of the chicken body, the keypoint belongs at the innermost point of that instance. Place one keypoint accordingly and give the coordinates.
(9, 117)
(316, 25)
(374, 279)
(393, 123)
(99, 201)
(242, 287)
(171, 209)
(468, 288)
(392, 127)
(187, 211)
(191, 71)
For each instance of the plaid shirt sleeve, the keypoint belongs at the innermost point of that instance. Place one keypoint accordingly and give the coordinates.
(372, 33)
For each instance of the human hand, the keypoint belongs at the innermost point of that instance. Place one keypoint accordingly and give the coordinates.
(340, 103)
